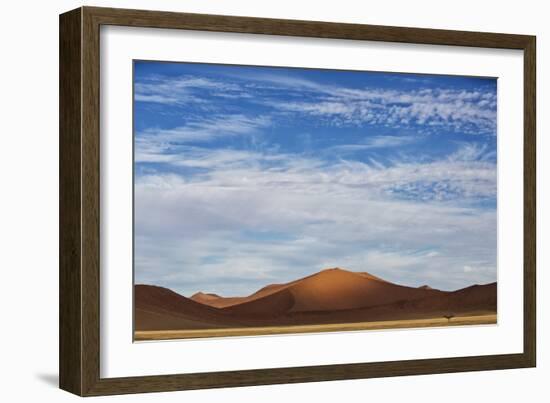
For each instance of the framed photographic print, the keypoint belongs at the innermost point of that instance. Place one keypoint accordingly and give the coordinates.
(249, 201)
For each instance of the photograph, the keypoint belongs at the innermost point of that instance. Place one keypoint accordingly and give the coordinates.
(273, 200)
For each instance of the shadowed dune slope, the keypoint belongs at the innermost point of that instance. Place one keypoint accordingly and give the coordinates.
(475, 300)
(158, 308)
(146, 319)
(475, 297)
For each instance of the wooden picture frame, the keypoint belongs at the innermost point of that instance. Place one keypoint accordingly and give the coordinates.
(79, 278)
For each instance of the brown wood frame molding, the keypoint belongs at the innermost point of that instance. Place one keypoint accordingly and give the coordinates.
(79, 358)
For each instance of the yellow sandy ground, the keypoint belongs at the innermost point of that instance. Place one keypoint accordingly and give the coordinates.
(255, 331)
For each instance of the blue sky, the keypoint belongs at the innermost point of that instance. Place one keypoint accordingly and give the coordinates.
(246, 176)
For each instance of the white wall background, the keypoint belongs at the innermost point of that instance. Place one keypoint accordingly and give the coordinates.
(29, 198)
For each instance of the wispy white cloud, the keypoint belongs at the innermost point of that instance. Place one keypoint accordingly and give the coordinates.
(184, 89)
(287, 82)
(156, 98)
(282, 217)
(470, 111)
(156, 144)
(473, 152)
(373, 142)
(461, 110)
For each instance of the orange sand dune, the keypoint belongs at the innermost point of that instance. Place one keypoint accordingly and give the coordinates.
(331, 296)
(223, 302)
(330, 290)
(205, 298)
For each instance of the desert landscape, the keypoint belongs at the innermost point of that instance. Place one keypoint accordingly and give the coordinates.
(333, 299)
